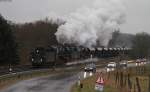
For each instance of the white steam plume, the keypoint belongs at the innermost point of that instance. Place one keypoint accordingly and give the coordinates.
(56, 19)
(91, 25)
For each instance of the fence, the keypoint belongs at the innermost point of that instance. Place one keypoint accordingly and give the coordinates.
(135, 79)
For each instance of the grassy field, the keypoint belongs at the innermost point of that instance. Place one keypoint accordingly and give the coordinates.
(142, 73)
(89, 84)
(118, 81)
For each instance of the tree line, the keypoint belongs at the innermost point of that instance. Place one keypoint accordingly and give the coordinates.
(8, 45)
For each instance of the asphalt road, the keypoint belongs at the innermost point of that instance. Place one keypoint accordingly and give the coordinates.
(54, 83)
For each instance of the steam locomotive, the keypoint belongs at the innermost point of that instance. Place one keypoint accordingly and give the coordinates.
(60, 55)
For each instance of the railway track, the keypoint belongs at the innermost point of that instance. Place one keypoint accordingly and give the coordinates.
(20, 73)
(17, 69)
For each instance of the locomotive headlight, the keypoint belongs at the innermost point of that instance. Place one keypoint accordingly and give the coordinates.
(41, 59)
(91, 68)
(32, 59)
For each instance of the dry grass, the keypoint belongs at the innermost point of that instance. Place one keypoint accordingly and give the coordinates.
(89, 84)
(111, 85)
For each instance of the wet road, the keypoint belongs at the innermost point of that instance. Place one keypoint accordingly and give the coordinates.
(54, 83)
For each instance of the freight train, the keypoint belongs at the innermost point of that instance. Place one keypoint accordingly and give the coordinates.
(60, 55)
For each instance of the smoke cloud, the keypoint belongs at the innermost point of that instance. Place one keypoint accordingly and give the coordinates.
(93, 25)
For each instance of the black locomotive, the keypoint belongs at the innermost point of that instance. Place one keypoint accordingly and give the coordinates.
(60, 55)
(38, 56)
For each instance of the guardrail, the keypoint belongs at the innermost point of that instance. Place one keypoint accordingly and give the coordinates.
(21, 73)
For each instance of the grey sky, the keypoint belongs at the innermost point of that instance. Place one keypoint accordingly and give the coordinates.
(138, 11)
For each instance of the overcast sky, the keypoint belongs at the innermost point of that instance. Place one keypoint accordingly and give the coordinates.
(138, 11)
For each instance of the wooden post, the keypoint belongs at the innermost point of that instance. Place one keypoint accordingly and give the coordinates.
(108, 75)
(149, 84)
(138, 84)
(121, 79)
(116, 79)
(129, 83)
(134, 88)
(125, 80)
